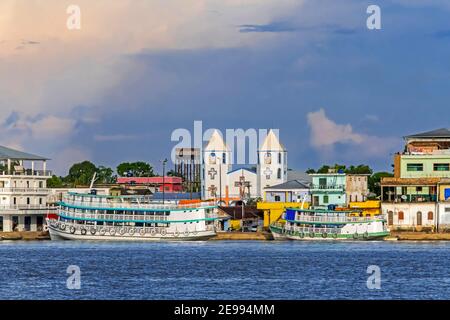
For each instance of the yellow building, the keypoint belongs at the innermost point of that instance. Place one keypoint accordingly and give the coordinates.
(274, 210)
(369, 207)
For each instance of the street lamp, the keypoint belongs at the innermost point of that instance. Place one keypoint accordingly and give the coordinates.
(164, 180)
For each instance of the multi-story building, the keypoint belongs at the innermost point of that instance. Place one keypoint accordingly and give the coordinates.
(338, 189)
(23, 191)
(188, 166)
(415, 198)
(328, 189)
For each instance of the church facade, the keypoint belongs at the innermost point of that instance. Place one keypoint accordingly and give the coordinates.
(221, 180)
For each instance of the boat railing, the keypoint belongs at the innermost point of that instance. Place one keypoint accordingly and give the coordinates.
(313, 229)
(132, 205)
(333, 219)
(121, 217)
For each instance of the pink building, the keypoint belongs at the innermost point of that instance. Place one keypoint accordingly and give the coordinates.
(171, 184)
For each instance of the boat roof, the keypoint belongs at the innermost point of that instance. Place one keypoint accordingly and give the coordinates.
(323, 210)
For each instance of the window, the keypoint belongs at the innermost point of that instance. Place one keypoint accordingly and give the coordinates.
(279, 157)
(441, 167)
(401, 215)
(419, 189)
(224, 158)
(430, 215)
(279, 173)
(414, 167)
(277, 198)
(28, 200)
(322, 182)
(325, 199)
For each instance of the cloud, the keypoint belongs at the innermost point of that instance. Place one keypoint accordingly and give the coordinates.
(271, 27)
(325, 135)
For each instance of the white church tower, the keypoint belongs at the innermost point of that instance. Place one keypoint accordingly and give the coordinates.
(272, 163)
(217, 159)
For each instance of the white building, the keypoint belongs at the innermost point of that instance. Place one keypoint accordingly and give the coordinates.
(219, 180)
(23, 191)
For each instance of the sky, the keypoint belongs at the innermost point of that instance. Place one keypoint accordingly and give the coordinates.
(115, 89)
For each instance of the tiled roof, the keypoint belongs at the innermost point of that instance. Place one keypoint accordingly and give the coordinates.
(389, 181)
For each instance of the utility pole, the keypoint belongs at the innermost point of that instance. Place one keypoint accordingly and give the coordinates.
(164, 180)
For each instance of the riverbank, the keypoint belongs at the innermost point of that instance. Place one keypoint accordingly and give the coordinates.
(419, 236)
(243, 236)
(24, 235)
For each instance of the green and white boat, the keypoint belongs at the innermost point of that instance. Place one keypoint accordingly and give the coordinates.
(315, 224)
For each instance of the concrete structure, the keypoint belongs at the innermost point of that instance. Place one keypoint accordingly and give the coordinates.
(290, 191)
(220, 181)
(356, 187)
(328, 189)
(23, 191)
(188, 165)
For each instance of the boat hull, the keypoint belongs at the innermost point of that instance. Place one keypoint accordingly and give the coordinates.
(58, 234)
(281, 234)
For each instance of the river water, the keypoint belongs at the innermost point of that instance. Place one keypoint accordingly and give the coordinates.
(225, 270)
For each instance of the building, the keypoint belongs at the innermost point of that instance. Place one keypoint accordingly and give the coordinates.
(328, 189)
(23, 191)
(290, 191)
(220, 180)
(338, 189)
(154, 184)
(415, 198)
(188, 166)
(274, 210)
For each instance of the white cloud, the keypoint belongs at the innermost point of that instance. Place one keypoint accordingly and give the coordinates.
(325, 134)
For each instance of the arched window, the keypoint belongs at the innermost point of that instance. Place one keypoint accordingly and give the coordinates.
(430, 215)
(224, 158)
(279, 157)
(279, 173)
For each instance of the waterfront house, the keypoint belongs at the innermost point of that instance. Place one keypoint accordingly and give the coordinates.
(23, 191)
(415, 198)
(328, 189)
(290, 191)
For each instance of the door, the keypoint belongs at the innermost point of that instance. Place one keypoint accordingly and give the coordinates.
(316, 200)
(27, 223)
(390, 218)
(419, 218)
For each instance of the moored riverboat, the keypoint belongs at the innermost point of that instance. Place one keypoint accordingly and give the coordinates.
(315, 224)
(130, 218)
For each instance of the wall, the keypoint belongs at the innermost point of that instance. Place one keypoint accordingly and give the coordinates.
(356, 187)
(274, 210)
(428, 161)
(409, 210)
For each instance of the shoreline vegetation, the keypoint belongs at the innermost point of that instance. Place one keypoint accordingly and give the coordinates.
(243, 236)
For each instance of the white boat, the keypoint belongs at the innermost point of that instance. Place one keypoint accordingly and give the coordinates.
(130, 218)
(314, 224)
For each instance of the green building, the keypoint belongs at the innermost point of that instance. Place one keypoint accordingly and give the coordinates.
(328, 189)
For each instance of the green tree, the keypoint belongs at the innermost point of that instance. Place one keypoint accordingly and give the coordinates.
(374, 181)
(81, 173)
(173, 173)
(310, 170)
(105, 175)
(135, 169)
(55, 182)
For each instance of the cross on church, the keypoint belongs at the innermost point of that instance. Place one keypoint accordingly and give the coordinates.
(267, 172)
(242, 184)
(212, 173)
(212, 190)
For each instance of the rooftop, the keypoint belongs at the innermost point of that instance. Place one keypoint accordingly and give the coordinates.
(12, 154)
(289, 185)
(438, 133)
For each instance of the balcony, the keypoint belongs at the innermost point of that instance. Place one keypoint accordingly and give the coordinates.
(411, 198)
(26, 190)
(327, 187)
(28, 172)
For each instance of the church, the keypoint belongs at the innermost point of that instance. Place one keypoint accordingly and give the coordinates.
(221, 180)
